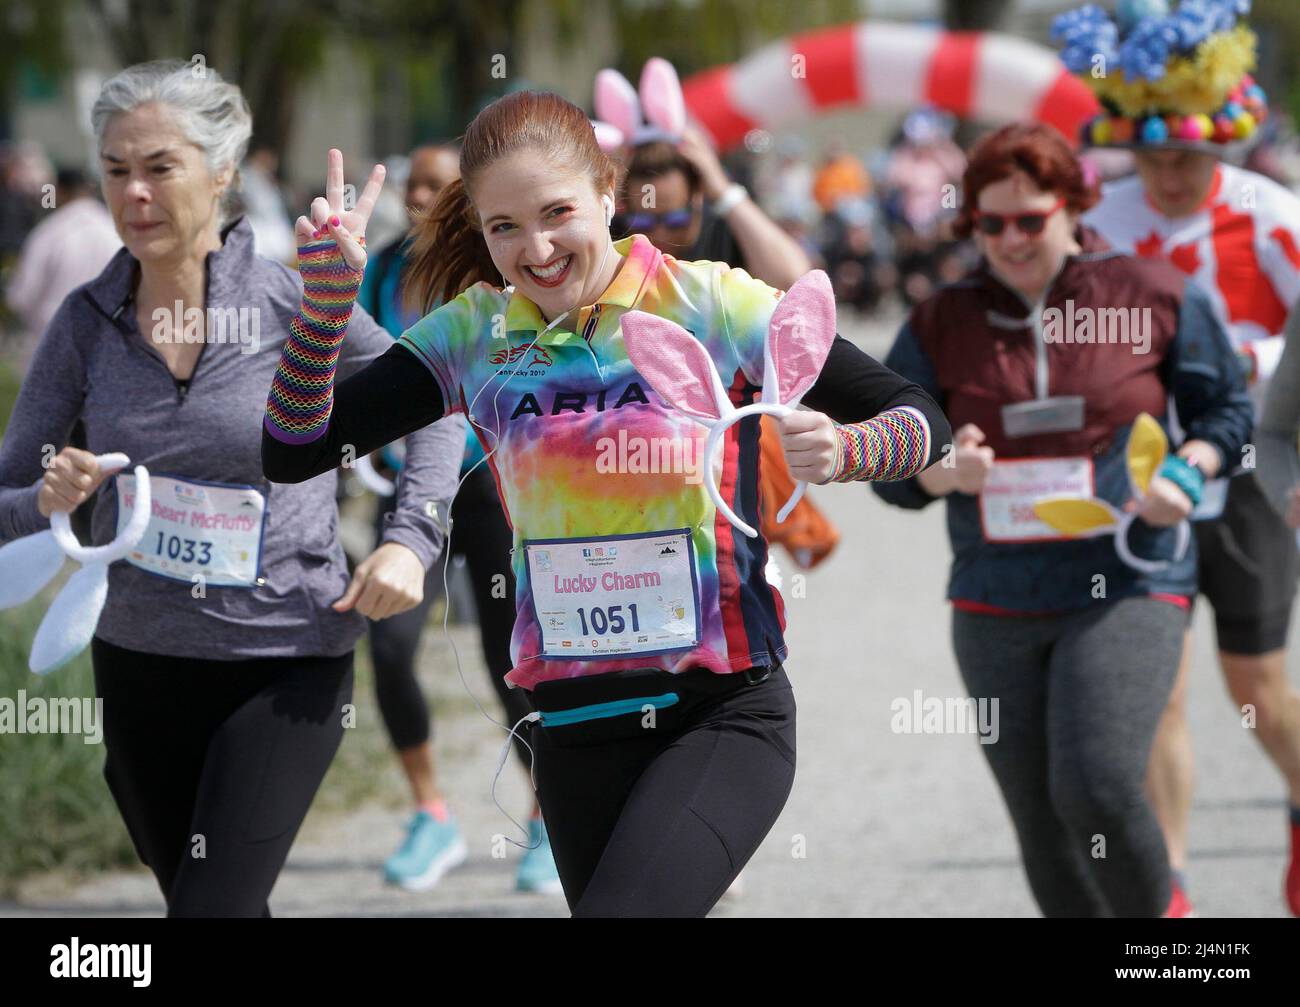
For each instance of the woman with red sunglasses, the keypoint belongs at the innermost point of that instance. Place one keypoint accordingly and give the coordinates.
(1043, 357)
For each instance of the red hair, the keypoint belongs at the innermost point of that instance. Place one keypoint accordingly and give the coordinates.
(1036, 149)
(448, 253)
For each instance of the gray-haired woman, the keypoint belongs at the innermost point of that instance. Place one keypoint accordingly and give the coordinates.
(224, 651)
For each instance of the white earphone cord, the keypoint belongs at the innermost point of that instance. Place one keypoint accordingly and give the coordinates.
(446, 560)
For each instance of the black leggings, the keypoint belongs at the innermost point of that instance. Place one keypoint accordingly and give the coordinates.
(1079, 697)
(213, 765)
(659, 822)
(481, 535)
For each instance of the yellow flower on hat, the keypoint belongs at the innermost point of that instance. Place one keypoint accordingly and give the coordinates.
(1199, 83)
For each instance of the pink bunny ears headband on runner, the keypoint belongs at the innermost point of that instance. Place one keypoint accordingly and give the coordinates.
(29, 563)
(799, 337)
(619, 109)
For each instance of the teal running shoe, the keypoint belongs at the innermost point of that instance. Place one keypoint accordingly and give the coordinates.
(537, 871)
(431, 849)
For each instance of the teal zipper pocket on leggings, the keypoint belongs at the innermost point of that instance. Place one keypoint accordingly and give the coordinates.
(600, 711)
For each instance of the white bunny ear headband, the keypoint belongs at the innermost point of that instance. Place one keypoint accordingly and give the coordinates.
(619, 108)
(678, 368)
(28, 564)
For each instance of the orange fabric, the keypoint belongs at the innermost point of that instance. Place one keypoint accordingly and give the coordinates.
(807, 534)
(842, 178)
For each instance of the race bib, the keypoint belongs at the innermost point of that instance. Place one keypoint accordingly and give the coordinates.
(1012, 488)
(198, 529)
(614, 595)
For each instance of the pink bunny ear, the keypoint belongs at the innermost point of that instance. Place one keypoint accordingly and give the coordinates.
(799, 337)
(616, 102)
(675, 364)
(608, 136)
(661, 96)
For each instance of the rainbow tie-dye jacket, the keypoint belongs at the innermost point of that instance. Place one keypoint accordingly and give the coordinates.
(584, 447)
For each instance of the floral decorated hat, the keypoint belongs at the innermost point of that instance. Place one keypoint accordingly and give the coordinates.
(1166, 78)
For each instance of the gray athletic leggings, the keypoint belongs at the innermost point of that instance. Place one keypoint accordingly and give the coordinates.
(1080, 696)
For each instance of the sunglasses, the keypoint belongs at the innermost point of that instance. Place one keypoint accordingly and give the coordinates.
(673, 220)
(993, 224)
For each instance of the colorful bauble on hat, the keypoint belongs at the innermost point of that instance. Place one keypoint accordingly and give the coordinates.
(1166, 77)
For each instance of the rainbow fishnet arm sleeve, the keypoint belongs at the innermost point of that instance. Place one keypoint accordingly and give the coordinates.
(302, 393)
(891, 446)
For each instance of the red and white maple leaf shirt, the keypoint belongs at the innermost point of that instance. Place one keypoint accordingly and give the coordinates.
(1241, 246)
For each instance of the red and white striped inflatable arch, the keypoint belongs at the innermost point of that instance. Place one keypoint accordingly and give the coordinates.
(886, 65)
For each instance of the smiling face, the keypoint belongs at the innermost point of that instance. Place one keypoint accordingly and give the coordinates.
(545, 230)
(1026, 262)
(1176, 181)
(164, 201)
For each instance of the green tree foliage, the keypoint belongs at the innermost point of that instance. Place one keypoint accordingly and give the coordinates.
(696, 35)
(1277, 22)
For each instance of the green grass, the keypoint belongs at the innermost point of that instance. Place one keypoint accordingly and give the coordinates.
(55, 808)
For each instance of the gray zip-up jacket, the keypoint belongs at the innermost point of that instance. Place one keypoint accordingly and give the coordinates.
(1278, 464)
(94, 365)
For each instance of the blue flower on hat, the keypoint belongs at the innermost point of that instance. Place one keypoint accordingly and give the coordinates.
(1083, 34)
(1197, 20)
(1147, 34)
(1146, 50)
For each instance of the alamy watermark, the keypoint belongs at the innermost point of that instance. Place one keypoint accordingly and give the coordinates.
(1117, 326)
(651, 455)
(213, 325)
(75, 960)
(920, 714)
(53, 715)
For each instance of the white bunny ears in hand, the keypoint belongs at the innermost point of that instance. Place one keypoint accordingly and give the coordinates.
(28, 564)
(799, 337)
(619, 109)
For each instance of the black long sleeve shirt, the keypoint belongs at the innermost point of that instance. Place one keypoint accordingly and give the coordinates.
(397, 395)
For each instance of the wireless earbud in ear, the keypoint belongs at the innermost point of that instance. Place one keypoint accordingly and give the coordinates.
(609, 210)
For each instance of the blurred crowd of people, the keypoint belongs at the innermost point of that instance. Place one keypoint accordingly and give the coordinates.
(882, 228)
(879, 222)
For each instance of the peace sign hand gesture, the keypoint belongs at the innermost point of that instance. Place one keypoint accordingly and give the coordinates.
(329, 217)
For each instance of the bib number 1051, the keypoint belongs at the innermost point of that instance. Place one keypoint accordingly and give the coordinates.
(607, 620)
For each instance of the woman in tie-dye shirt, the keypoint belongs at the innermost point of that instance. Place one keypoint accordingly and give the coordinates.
(665, 749)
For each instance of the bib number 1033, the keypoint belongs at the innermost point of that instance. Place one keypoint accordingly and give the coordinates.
(183, 549)
(607, 620)
(230, 517)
